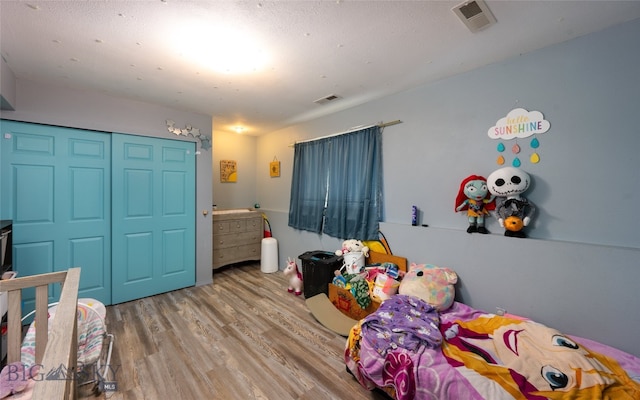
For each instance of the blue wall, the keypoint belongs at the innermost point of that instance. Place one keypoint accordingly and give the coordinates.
(578, 271)
(586, 182)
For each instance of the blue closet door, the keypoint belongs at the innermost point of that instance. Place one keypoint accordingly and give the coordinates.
(153, 216)
(55, 186)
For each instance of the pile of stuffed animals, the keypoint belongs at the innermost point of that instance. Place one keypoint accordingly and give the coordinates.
(353, 275)
(381, 281)
(501, 191)
(434, 285)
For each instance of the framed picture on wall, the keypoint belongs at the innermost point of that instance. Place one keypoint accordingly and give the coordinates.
(228, 171)
(274, 169)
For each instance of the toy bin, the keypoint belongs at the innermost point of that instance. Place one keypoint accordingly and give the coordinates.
(318, 269)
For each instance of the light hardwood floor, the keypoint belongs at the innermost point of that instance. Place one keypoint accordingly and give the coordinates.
(242, 337)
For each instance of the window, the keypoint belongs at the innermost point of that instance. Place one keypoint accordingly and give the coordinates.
(336, 185)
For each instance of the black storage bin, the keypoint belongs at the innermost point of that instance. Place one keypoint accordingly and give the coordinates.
(318, 269)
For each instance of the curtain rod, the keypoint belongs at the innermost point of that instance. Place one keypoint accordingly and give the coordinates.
(381, 125)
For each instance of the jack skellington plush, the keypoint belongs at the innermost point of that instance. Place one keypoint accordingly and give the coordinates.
(513, 211)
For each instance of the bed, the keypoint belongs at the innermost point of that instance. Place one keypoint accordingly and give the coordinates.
(409, 350)
(55, 353)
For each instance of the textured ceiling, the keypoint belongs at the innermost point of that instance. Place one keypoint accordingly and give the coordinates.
(357, 50)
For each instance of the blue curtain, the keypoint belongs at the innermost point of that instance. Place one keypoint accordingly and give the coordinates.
(354, 201)
(308, 186)
(346, 172)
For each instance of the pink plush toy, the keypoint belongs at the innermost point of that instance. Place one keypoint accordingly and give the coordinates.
(295, 277)
(432, 284)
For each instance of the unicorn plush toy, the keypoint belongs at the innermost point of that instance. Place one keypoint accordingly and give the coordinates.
(295, 277)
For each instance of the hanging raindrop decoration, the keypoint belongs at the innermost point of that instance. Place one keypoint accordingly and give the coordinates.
(516, 162)
(500, 149)
(515, 150)
(535, 143)
(519, 124)
(535, 158)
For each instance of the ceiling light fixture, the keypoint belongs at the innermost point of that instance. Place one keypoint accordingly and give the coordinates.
(226, 50)
(238, 129)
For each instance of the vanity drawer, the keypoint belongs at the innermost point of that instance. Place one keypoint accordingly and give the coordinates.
(239, 225)
(236, 239)
(255, 224)
(221, 227)
(230, 255)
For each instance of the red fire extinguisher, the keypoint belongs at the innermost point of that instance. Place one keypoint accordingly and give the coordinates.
(267, 227)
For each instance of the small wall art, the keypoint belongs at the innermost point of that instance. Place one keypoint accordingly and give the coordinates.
(274, 168)
(228, 171)
(519, 124)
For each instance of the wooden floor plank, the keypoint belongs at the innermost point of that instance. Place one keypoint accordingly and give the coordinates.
(241, 337)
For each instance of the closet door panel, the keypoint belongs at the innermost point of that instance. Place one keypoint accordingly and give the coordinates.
(30, 259)
(153, 197)
(55, 186)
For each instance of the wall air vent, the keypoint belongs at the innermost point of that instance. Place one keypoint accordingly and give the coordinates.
(326, 99)
(474, 14)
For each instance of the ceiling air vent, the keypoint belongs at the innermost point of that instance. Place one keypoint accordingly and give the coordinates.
(474, 14)
(326, 99)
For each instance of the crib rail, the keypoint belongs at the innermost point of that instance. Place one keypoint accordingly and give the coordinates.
(57, 349)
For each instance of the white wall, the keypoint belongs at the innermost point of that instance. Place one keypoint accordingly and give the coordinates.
(242, 149)
(578, 271)
(42, 103)
(7, 86)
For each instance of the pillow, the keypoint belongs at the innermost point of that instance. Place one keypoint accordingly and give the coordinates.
(430, 283)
